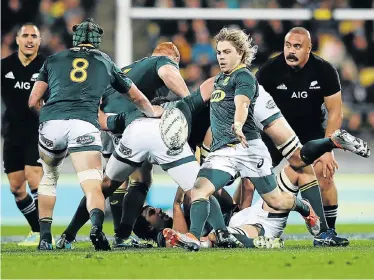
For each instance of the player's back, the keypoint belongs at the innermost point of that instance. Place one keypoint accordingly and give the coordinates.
(144, 74)
(76, 78)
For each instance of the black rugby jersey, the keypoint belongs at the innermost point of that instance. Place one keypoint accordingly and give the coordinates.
(300, 94)
(17, 82)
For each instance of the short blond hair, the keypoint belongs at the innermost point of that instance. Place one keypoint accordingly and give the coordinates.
(241, 42)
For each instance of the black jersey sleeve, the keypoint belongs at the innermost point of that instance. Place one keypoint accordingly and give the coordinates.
(331, 81)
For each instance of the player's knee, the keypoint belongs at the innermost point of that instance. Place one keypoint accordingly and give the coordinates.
(18, 189)
(295, 160)
(202, 189)
(47, 185)
(33, 176)
(275, 203)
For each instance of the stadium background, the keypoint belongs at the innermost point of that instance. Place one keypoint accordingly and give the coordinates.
(131, 33)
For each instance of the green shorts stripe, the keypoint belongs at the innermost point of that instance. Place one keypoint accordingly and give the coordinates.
(85, 148)
(178, 162)
(217, 177)
(271, 119)
(264, 184)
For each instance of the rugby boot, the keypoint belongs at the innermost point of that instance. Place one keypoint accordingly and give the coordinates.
(130, 242)
(312, 221)
(343, 140)
(226, 240)
(186, 241)
(99, 240)
(268, 243)
(330, 238)
(45, 245)
(32, 239)
(63, 243)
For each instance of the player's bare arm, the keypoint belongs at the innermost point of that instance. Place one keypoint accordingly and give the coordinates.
(242, 103)
(37, 94)
(173, 80)
(335, 112)
(179, 221)
(142, 102)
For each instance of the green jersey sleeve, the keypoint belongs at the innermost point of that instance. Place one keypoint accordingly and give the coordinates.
(116, 123)
(245, 84)
(43, 73)
(163, 60)
(119, 80)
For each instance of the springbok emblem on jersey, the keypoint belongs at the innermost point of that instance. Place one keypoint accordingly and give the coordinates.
(226, 81)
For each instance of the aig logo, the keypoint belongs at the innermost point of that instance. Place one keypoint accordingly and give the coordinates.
(22, 85)
(299, 94)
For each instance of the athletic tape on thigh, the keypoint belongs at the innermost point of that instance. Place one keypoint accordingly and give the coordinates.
(289, 147)
(90, 174)
(285, 184)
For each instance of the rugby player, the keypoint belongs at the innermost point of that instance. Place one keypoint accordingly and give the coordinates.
(76, 79)
(155, 76)
(233, 131)
(20, 126)
(300, 82)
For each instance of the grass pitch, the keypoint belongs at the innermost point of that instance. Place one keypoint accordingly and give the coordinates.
(298, 260)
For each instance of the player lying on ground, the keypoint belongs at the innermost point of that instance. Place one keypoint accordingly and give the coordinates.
(76, 79)
(246, 225)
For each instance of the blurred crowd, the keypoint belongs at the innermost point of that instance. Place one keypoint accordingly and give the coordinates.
(348, 45)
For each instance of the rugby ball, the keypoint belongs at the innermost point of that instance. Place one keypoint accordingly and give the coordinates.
(174, 128)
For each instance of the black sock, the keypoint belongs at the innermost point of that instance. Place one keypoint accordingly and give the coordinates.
(300, 207)
(80, 217)
(97, 218)
(199, 214)
(45, 229)
(331, 212)
(312, 193)
(34, 194)
(313, 149)
(215, 218)
(116, 207)
(29, 210)
(131, 206)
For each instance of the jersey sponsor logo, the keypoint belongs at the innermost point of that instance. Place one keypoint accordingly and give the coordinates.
(282, 86)
(299, 94)
(314, 85)
(217, 95)
(226, 81)
(34, 77)
(9, 75)
(22, 85)
(260, 163)
(124, 150)
(46, 141)
(174, 152)
(85, 139)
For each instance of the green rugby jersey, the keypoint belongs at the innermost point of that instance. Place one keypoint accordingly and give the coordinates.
(240, 81)
(77, 78)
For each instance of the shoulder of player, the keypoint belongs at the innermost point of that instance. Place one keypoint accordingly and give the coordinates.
(9, 59)
(323, 66)
(243, 73)
(273, 63)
